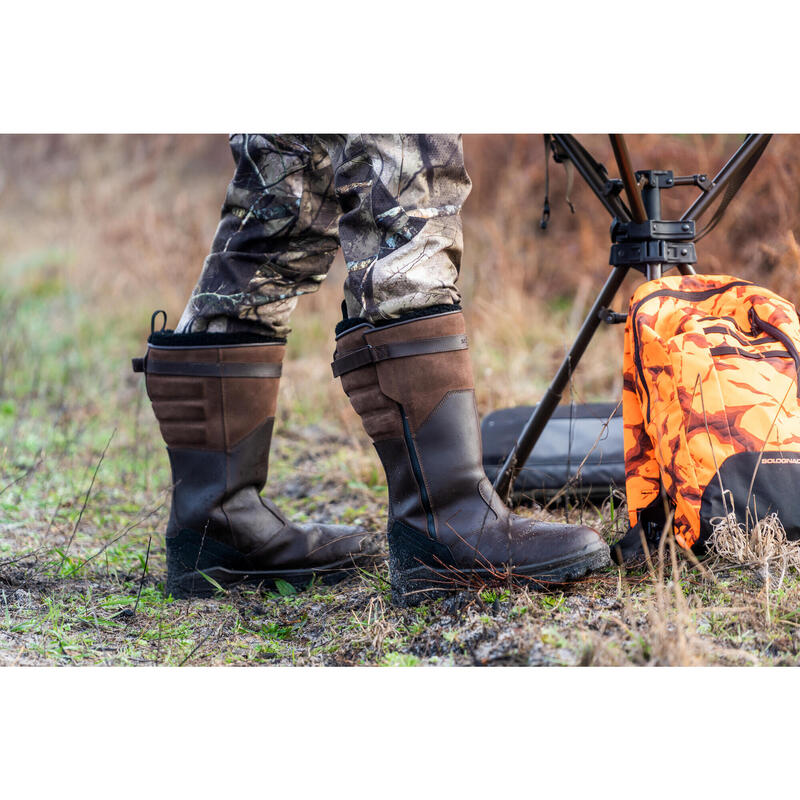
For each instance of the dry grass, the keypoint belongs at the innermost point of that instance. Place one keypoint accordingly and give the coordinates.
(764, 544)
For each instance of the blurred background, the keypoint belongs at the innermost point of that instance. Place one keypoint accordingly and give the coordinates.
(114, 226)
(98, 231)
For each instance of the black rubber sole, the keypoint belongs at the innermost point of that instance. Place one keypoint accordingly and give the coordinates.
(210, 581)
(414, 585)
(209, 573)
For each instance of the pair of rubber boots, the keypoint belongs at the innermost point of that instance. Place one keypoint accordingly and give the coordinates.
(411, 382)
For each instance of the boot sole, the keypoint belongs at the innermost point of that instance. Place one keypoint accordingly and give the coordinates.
(206, 579)
(207, 582)
(199, 567)
(410, 587)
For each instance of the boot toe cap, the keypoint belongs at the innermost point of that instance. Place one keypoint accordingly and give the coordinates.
(340, 542)
(557, 543)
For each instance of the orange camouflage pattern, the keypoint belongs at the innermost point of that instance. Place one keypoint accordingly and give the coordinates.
(710, 370)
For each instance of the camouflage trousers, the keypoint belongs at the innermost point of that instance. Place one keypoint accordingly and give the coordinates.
(392, 202)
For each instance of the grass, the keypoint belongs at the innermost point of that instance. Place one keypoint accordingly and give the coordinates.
(84, 480)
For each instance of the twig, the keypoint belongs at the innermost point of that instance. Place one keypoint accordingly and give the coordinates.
(197, 647)
(144, 572)
(572, 480)
(115, 539)
(22, 477)
(53, 518)
(86, 500)
(22, 557)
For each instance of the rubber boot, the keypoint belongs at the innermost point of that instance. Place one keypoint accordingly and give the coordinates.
(411, 383)
(214, 396)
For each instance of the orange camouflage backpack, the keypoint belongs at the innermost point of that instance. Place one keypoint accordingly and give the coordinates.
(710, 403)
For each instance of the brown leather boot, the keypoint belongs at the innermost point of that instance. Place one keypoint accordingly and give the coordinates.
(214, 396)
(411, 382)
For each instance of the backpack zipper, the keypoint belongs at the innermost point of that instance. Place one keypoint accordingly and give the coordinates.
(777, 334)
(727, 350)
(728, 332)
(700, 294)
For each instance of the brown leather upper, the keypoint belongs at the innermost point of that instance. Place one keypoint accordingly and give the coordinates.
(418, 382)
(212, 413)
(379, 414)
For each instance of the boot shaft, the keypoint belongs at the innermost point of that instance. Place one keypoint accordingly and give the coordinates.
(211, 397)
(403, 370)
(215, 404)
(412, 385)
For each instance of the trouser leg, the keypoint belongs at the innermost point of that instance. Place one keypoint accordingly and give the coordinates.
(276, 238)
(400, 196)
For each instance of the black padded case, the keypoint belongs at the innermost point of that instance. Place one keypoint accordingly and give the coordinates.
(592, 431)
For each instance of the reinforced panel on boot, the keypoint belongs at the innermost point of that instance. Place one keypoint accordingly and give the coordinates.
(379, 414)
(246, 463)
(418, 383)
(449, 449)
(188, 410)
(190, 551)
(405, 501)
(411, 549)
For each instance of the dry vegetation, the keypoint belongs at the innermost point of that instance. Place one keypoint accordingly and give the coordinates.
(98, 231)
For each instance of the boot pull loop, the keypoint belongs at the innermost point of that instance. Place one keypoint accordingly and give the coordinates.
(153, 321)
(140, 364)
